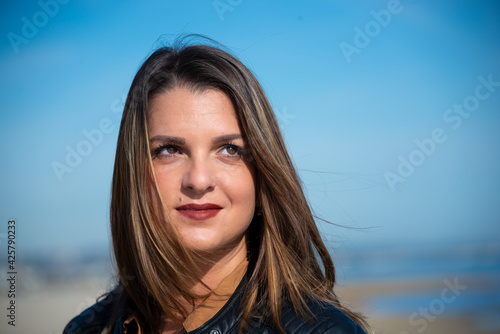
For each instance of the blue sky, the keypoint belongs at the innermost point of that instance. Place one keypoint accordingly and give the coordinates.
(348, 119)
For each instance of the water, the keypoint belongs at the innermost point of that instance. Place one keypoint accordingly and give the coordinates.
(474, 269)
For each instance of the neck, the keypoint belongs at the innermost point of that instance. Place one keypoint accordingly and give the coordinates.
(215, 267)
(171, 327)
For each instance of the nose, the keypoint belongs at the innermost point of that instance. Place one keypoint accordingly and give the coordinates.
(198, 177)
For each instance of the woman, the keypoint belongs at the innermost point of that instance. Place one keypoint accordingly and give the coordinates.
(211, 229)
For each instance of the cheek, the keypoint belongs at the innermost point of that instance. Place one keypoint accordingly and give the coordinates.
(243, 192)
(155, 195)
(165, 189)
(166, 180)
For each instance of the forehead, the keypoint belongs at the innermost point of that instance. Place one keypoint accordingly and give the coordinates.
(182, 109)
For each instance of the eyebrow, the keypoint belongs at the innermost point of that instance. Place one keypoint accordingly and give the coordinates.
(167, 139)
(182, 141)
(226, 138)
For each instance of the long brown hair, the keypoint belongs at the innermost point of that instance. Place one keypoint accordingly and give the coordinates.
(285, 247)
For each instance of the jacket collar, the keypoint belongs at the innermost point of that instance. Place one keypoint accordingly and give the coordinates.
(223, 322)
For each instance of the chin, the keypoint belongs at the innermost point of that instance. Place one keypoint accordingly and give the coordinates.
(207, 244)
(199, 241)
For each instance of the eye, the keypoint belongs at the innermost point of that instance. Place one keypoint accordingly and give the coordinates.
(231, 150)
(166, 150)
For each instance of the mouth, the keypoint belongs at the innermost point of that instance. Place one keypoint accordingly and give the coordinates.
(199, 211)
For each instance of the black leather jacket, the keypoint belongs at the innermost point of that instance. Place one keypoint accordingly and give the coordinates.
(328, 320)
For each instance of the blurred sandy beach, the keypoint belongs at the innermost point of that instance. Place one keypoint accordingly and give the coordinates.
(458, 299)
(48, 308)
(435, 316)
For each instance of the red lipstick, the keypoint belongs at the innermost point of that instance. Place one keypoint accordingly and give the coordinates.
(199, 211)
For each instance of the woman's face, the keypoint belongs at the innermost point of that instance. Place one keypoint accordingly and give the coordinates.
(207, 187)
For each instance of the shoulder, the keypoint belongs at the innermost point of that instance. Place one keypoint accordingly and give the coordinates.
(327, 319)
(94, 319)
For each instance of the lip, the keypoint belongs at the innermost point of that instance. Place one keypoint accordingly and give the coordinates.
(199, 211)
